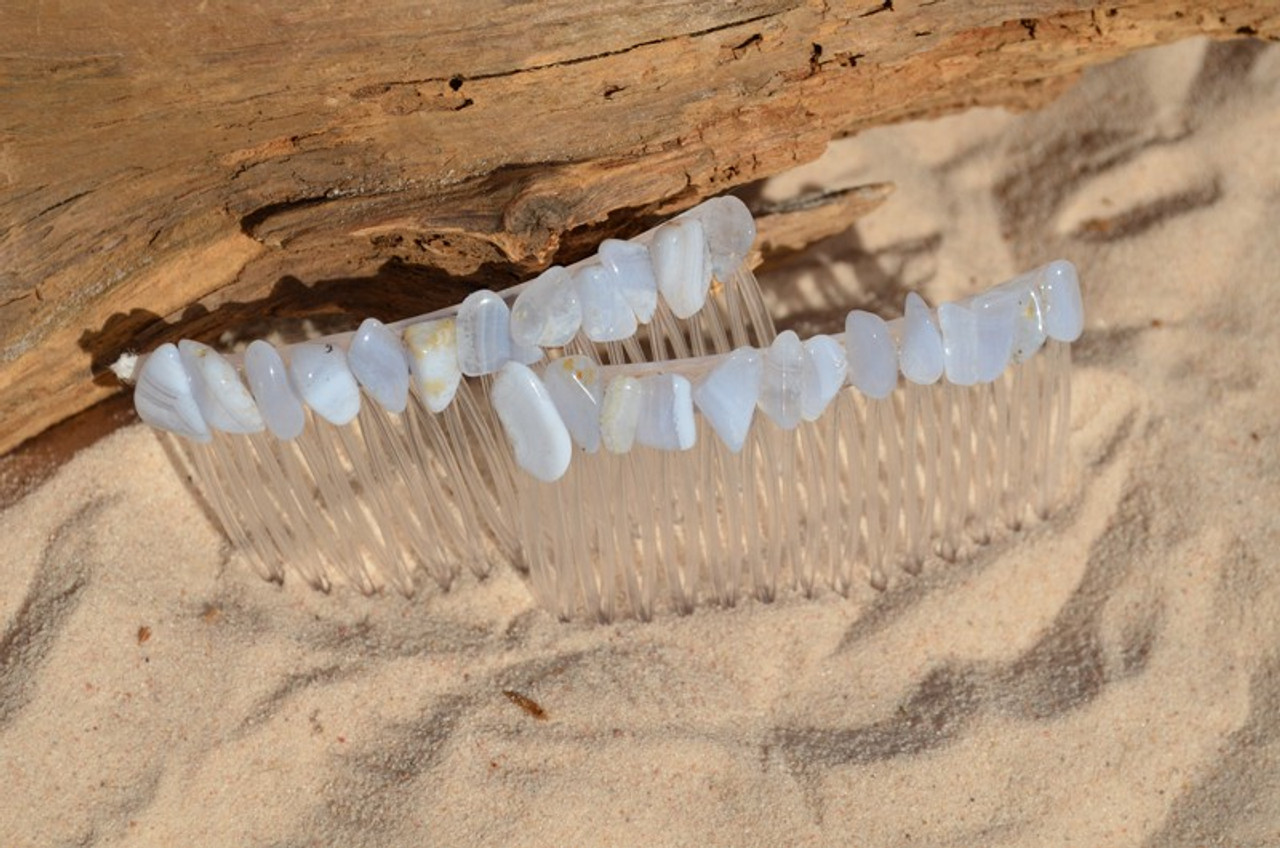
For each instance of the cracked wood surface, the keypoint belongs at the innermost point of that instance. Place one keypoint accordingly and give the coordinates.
(169, 172)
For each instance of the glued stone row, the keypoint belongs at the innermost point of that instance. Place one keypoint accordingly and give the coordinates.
(191, 390)
(973, 341)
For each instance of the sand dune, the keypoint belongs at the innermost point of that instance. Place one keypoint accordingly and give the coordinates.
(1107, 677)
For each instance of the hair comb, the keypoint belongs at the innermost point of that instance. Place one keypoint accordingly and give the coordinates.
(631, 431)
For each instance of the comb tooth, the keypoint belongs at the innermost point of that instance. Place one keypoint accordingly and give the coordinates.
(915, 497)
(447, 537)
(1058, 363)
(488, 473)
(896, 476)
(944, 459)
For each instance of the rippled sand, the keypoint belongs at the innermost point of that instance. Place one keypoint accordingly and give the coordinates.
(1109, 677)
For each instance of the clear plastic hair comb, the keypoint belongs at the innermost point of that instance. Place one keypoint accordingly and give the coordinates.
(631, 431)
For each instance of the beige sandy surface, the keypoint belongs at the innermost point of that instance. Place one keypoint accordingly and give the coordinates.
(1106, 678)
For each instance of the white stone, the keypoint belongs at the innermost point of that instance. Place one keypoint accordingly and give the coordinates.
(224, 401)
(920, 354)
(666, 413)
(619, 414)
(1028, 334)
(538, 437)
(731, 231)
(996, 312)
(378, 361)
(433, 361)
(727, 396)
(575, 387)
(279, 404)
(959, 343)
(320, 374)
(681, 265)
(546, 313)
(1063, 304)
(163, 396)
(873, 360)
(606, 315)
(484, 333)
(632, 271)
(783, 381)
(526, 354)
(826, 369)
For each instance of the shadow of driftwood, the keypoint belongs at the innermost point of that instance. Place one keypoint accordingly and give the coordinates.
(291, 309)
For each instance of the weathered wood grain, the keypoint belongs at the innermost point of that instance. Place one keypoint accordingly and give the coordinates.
(168, 170)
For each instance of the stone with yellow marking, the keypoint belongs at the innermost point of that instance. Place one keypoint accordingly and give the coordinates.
(433, 361)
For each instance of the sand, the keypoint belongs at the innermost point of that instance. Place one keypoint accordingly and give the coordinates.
(1107, 677)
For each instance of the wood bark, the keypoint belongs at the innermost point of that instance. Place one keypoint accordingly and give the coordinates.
(173, 170)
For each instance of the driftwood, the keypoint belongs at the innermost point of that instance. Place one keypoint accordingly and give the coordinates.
(171, 171)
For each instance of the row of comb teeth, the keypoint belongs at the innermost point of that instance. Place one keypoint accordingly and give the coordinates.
(596, 305)
(970, 342)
